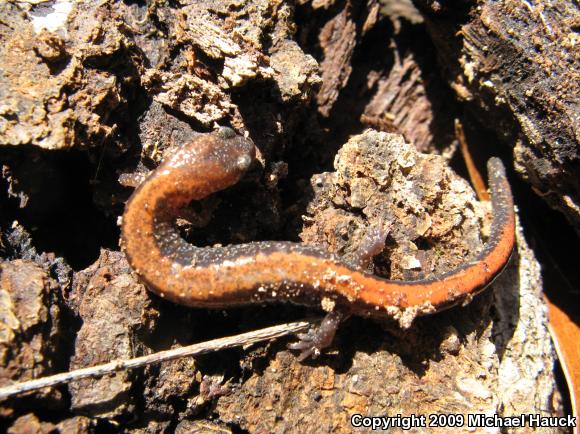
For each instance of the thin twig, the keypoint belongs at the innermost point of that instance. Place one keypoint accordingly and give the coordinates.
(243, 339)
(474, 175)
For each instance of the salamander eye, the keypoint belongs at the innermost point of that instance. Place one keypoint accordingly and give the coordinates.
(243, 162)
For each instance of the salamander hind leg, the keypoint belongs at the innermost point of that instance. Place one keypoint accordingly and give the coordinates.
(318, 337)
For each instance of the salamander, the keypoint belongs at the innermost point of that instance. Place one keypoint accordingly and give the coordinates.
(258, 272)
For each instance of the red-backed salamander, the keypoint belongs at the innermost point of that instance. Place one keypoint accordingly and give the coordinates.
(258, 272)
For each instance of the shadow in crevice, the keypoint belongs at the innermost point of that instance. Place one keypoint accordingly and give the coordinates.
(378, 53)
(52, 198)
(506, 308)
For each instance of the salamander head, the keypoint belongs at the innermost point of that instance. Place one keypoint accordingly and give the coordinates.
(240, 151)
(221, 157)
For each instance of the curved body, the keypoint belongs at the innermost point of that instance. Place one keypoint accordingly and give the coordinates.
(280, 271)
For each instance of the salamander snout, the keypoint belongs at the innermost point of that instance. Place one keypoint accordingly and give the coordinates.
(239, 151)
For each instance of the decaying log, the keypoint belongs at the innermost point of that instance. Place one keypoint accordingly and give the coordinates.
(127, 82)
(517, 63)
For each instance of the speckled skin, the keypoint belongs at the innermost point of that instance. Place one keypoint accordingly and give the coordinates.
(281, 271)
